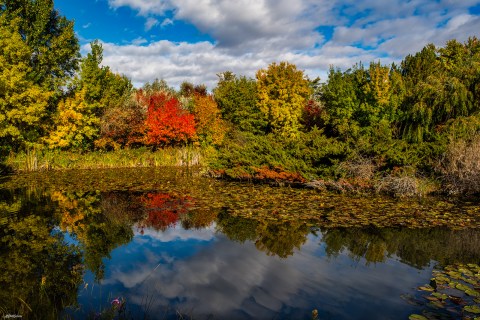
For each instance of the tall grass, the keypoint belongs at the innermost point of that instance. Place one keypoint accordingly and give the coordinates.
(57, 160)
(460, 167)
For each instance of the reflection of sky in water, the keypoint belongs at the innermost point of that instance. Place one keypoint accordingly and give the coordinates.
(202, 273)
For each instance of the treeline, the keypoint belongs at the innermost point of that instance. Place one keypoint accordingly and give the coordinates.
(377, 127)
(52, 98)
(384, 128)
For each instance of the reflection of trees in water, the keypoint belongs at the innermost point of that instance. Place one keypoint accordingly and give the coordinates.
(103, 221)
(97, 222)
(163, 210)
(273, 237)
(39, 272)
(416, 247)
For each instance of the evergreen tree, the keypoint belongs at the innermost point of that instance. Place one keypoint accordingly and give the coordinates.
(237, 99)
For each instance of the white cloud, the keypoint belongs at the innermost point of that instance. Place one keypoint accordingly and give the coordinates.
(177, 233)
(150, 23)
(144, 7)
(139, 41)
(258, 285)
(166, 22)
(250, 34)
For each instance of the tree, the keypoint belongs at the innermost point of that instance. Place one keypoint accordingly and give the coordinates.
(123, 125)
(23, 103)
(167, 123)
(209, 126)
(50, 37)
(441, 85)
(237, 99)
(340, 100)
(282, 92)
(76, 124)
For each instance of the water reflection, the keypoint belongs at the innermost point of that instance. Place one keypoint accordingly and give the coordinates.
(168, 253)
(40, 272)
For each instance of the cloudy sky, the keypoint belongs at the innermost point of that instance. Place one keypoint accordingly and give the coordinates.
(193, 40)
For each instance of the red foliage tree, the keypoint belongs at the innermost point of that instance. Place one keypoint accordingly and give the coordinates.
(313, 114)
(167, 123)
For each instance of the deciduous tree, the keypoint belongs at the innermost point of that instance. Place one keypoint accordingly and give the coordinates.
(50, 37)
(167, 123)
(209, 126)
(282, 92)
(23, 103)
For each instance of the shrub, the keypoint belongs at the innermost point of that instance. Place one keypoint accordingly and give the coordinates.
(460, 167)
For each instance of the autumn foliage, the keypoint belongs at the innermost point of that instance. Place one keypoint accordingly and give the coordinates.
(164, 210)
(167, 123)
(208, 122)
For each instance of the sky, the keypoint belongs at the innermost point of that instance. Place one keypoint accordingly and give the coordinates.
(194, 40)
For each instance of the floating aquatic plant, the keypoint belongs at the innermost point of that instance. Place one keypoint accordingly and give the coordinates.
(453, 292)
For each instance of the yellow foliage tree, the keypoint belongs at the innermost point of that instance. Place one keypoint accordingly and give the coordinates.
(208, 123)
(75, 124)
(23, 104)
(282, 93)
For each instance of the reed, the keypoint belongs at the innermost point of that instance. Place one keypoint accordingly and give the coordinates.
(34, 160)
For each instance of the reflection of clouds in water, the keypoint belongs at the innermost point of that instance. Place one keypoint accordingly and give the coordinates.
(233, 280)
(175, 234)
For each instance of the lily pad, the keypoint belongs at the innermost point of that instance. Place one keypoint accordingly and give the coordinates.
(416, 317)
(472, 309)
(426, 288)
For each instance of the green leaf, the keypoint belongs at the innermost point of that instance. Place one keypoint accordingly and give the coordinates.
(472, 309)
(426, 288)
(416, 317)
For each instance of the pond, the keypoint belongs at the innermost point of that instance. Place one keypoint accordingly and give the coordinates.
(171, 244)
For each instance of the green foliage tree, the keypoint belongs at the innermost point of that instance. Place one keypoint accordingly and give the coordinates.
(340, 100)
(23, 103)
(50, 37)
(41, 271)
(441, 85)
(282, 93)
(237, 99)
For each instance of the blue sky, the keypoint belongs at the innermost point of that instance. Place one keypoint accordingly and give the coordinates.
(193, 40)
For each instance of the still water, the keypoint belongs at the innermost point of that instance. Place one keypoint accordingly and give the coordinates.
(171, 244)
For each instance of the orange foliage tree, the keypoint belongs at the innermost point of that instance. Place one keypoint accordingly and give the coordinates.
(208, 122)
(167, 123)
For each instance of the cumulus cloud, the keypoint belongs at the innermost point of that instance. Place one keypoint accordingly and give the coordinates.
(232, 280)
(250, 34)
(144, 7)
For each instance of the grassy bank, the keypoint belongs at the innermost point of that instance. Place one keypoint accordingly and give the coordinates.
(124, 158)
(313, 161)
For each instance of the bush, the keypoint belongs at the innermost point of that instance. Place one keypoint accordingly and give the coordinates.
(460, 167)
(400, 186)
(310, 156)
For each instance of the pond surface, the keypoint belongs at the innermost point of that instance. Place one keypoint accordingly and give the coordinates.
(171, 244)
